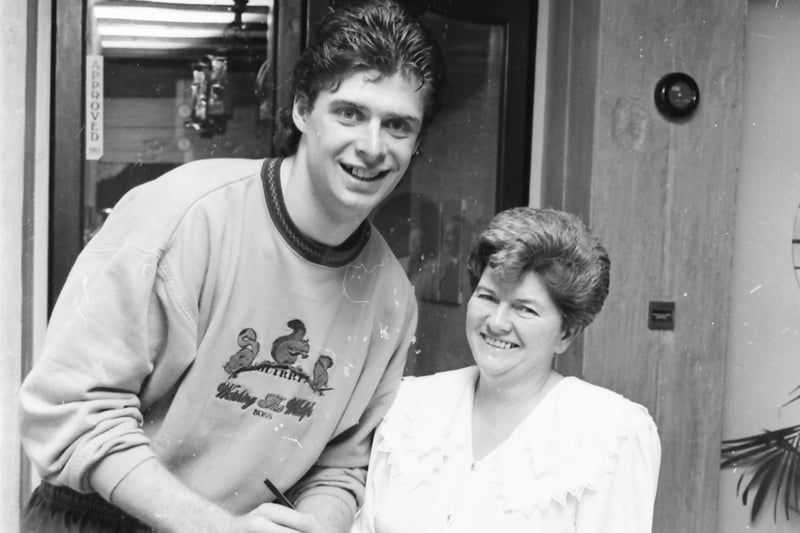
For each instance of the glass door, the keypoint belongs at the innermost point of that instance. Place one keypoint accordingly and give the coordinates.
(473, 162)
(145, 85)
(168, 83)
(142, 86)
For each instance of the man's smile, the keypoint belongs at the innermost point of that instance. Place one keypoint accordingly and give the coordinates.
(363, 174)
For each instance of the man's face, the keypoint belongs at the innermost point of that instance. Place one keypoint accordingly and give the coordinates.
(358, 140)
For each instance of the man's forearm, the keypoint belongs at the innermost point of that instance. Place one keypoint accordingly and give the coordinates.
(154, 496)
(331, 512)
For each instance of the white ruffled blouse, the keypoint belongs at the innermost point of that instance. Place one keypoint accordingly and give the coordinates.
(585, 460)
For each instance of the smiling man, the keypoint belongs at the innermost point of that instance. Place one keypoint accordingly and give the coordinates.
(238, 320)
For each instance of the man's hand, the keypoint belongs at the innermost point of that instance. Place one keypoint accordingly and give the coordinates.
(154, 496)
(274, 518)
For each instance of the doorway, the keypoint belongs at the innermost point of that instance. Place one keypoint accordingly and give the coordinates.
(133, 104)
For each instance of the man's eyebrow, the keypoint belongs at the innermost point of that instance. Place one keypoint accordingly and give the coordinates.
(338, 102)
(343, 102)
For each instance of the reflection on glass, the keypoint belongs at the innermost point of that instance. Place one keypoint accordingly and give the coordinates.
(449, 191)
(182, 81)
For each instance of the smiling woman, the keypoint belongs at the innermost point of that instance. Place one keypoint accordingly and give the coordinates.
(509, 444)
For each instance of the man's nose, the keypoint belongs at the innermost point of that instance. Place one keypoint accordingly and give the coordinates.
(371, 145)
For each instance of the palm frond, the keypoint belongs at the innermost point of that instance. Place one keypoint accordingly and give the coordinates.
(796, 392)
(771, 463)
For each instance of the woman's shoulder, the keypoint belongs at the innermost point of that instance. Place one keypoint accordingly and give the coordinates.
(587, 404)
(434, 383)
(427, 408)
(577, 439)
(423, 397)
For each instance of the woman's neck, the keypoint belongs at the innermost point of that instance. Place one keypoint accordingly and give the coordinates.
(499, 394)
(499, 408)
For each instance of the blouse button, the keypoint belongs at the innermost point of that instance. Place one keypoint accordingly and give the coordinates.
(450, 518)
(473, 467)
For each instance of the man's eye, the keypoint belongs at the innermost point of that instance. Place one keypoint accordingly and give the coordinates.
(399, 127)
(348, 114)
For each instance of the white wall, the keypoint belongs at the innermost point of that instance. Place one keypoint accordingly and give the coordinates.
(763, 363)
(24, 93)
(12, 118)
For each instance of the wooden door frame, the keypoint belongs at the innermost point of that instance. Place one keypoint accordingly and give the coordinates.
(66, 163)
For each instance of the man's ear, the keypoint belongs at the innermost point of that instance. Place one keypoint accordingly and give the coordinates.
(300, 110)
(418, 141)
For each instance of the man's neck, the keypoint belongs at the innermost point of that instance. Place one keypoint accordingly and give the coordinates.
(315, 221)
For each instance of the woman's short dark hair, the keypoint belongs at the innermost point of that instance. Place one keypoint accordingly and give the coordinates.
(558, 247)
(364, 35)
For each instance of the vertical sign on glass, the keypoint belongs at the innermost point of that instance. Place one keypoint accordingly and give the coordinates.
(94, 107)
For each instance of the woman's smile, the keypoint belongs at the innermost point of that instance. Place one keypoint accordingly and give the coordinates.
(513, 327)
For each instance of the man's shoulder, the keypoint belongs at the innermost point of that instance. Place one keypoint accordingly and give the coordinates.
(147, 215)
(203, 175)
(579, 400)
(378, 254)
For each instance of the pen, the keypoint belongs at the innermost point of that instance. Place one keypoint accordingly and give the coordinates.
(279, 496)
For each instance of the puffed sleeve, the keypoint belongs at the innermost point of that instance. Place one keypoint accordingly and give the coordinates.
(623, 498)
(378, 477)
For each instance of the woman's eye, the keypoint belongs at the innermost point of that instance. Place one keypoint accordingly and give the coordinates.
(526, 311)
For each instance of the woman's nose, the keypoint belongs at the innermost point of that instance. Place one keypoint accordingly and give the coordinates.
(498, 320)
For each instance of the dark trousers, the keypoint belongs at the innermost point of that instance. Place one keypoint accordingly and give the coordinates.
(54, 509)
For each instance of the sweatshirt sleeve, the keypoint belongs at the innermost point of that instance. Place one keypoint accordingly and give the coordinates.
(81, 414)
(341, 469)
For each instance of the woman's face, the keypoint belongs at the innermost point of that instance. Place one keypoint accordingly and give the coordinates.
(513, 328)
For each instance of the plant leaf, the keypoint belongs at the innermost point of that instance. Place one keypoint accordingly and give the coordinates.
(793, 391)
(771, 460)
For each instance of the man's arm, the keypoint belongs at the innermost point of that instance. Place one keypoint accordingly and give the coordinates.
(337, 482)
(332, 513)
(154, 496)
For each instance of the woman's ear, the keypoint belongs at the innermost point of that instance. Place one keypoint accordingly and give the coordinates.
(566, 340)
(300, 110)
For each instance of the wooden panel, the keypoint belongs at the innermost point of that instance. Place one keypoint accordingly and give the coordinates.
(662, 201)
(568, 152)
(630, 196)
(571, 87)
(703, 162)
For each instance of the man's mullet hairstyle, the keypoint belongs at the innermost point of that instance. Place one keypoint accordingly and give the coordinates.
(366, 35)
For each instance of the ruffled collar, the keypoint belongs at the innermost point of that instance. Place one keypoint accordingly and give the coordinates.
(561, 449)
